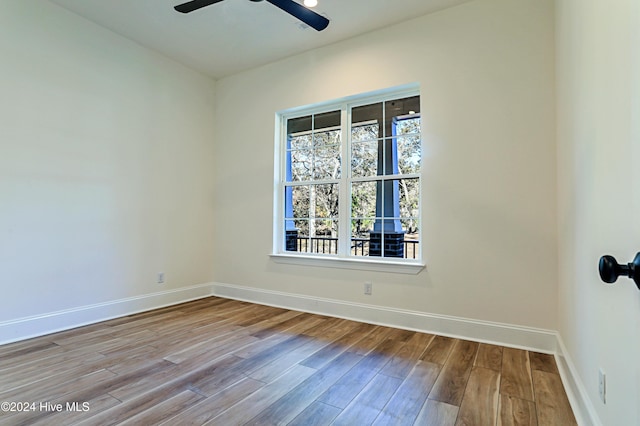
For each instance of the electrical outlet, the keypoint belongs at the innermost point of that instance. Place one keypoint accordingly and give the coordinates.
(602, 386)
(368, 288)
(160, 279)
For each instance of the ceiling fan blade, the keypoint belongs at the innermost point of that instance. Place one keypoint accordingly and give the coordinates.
(190, 6)
(307, 16)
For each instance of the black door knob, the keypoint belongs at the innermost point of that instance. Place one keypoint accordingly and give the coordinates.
(610, 269)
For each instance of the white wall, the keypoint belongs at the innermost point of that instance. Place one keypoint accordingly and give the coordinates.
(598, 66)
(486, 71)
(106, 153)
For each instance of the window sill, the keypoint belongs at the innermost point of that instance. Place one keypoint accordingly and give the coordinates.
(412, 268)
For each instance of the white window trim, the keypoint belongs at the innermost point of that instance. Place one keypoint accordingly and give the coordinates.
(356, 263)
(378, 264)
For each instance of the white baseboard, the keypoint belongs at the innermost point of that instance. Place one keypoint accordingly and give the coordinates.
(582, 405)
(39, 325)
(479, 331)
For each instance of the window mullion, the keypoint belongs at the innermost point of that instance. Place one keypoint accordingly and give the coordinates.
(344, 227)
(280, 184)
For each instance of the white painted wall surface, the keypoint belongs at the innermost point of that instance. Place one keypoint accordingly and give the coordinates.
(598, 63)
(486, 71)
(106, 153)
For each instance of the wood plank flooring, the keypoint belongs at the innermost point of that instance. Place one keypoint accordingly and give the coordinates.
(223, 362)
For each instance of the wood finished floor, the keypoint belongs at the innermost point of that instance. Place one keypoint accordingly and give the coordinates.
(222, 362)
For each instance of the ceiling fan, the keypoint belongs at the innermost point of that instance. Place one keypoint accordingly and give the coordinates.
(307, 16)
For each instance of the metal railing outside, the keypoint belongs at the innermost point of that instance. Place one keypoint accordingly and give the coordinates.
(359, 246)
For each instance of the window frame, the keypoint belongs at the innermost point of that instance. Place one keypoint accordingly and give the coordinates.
(345, 259)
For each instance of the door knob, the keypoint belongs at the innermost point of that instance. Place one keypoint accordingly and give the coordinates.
(610, 269)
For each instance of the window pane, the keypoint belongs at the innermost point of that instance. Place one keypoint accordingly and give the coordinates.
(409, 126)
(331, 137)
(303, 228)
(300, 142)
(411, 243)
(299, 125)
(363, 199)
(327, 120)
(297, 238)
(291, 236)
(388, 197)
(365, 132)
(360, 229)
(364, 159)
(300, 198)
(387, 239)
(301, 163)
(324, 228)
(409, 154)
(325, 201)
(366, 121)
(399, 108)
(327, 162)
(409, 192)
(324, 236)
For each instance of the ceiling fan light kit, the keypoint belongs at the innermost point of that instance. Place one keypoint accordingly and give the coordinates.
(308, 16)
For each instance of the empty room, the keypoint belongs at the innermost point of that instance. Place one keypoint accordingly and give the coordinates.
(416, 212)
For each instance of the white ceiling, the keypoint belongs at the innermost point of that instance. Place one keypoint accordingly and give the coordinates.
(235, 35)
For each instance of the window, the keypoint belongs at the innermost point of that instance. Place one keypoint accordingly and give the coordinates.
(348, 180)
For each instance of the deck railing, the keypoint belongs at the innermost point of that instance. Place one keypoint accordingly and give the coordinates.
(359, 246)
